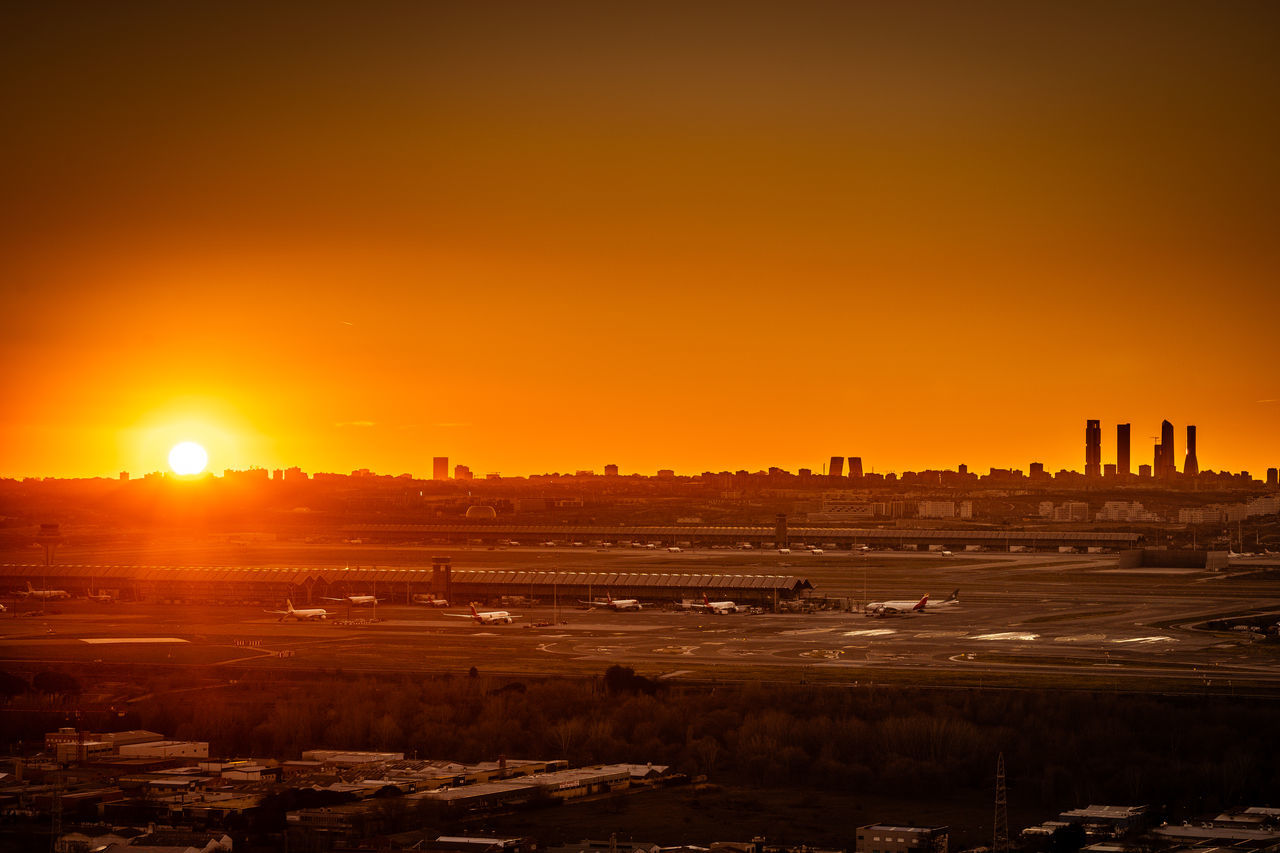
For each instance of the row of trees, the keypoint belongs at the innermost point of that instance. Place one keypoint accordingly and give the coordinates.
(1061, 748)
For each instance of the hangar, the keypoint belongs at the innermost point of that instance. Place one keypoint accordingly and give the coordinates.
(270, 586)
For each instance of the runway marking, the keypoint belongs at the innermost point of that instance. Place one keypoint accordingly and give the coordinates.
(1146, 640)
(870, 632)
(1081, 638)
(677, 650)
(936, 635)
(1008, 635)
(799, 631)
(112, 641)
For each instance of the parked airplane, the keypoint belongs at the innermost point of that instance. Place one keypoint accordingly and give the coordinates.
(100, 597)
(615, 603)
(430, 600)
(357, 600)
(300, 615)
(816, 551)
(488, 617)
(718, 608)
(904, 607)
(675, 549)
(43, 594)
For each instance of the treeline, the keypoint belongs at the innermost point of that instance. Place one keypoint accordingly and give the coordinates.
(1061, 748)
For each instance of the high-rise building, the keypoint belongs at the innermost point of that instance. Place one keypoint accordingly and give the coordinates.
(1191, 465)
(461, 472)
(855, 466)
(1122, 450)
(837, 466)
(1092, 449)
(1168, 453)
(1036, 470)
(440, 468)
(1273, 477)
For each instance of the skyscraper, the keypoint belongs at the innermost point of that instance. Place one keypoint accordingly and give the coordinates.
(1122, 450)
(1168, 453)
(1092, 449)
(1191, 466)
(855, 466)
(837, 466)
(440, 467)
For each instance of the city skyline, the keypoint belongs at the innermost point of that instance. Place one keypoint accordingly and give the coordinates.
(710, 237)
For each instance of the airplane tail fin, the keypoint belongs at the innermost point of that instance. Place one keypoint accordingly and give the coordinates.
(706, 600)
(955, 596)
(473, 612)
(288, 603)
(920, 605)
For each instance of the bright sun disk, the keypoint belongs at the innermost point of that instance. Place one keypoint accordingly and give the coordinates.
(188, 458)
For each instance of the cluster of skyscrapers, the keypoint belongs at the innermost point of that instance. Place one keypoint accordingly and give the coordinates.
(1164, 464)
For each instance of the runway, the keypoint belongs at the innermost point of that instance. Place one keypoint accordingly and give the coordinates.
(1067, 621)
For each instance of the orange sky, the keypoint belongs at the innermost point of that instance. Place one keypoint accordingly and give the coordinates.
(539, 237)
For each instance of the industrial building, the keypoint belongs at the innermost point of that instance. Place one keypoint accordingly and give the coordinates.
(888, 838)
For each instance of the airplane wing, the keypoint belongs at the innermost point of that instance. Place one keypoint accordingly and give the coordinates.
(459, 615)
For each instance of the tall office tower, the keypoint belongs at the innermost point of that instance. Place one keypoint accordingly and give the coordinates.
(1092, 449)
(1122, 450)
(1273, 477)
(837, 466)
(440, 467)
(1157, 462)
(855, 466)
(1191, 466)
(1167, 451)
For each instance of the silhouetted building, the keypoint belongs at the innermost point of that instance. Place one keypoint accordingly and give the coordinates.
(124, 475)
(1273, 476)
(963, 470)
(440, 468)
(1109, 471)
(1144, 471)
(1191, 465)
(837, 466)
(1122, 450)
(1092, 449)
(1165, 466)
(461, 472)
(1036, 470)
(611, 470)
(855, 466)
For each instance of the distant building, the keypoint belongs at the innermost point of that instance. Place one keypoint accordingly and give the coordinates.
(1093, 449)
(1191, 465)
(611, 470)
(124, 475)
(1125, 511)
(1066, 511)
(1166, 467)
(1109, 471)
(886, 838)
(855, 467)
(1122, 450)
(666, 474)
(936, 509)
(1144, 471)
(1037, 471)
(294, 474)
(278, 475)
(462, 472)
(962, 470)
(837, 466)
(1273, 477)
(440, 467)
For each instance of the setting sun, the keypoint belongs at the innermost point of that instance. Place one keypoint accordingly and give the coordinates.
(188, 458)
